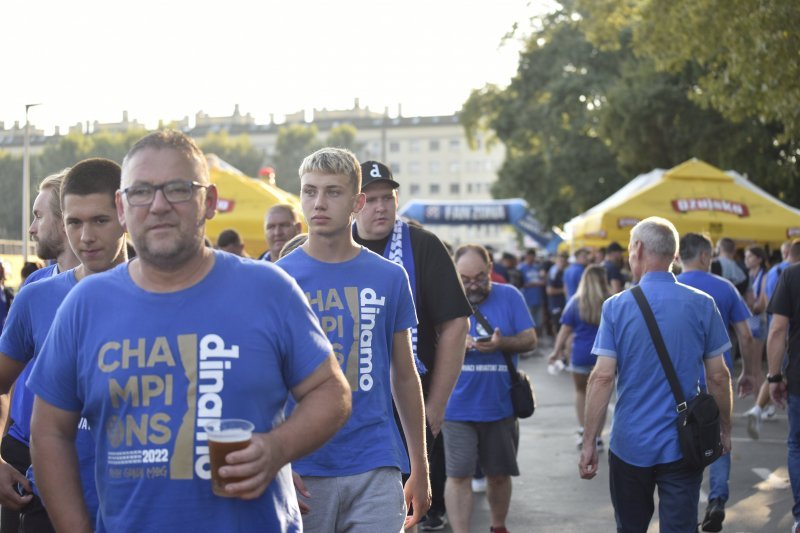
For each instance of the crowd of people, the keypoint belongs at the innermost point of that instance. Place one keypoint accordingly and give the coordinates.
(369, 357)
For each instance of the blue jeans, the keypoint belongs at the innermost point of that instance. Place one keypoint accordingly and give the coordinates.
(632, 490)
(718, 474)
(794, 451)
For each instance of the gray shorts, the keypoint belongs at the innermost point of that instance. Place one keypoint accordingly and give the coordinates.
(493, 444)
(368, 502)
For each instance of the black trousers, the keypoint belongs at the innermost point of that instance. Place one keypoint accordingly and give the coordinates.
(18, 455)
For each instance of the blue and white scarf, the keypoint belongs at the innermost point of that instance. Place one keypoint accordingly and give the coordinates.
(398, 250)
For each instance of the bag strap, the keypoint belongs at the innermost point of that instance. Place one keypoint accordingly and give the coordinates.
(512, 372)
(661, 348)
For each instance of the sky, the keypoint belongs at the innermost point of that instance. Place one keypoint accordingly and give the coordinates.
(89, 60)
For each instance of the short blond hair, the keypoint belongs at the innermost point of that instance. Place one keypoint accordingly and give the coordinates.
(336, 161)
(54, 182)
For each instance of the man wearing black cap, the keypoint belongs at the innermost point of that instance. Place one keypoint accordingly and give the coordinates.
(442, 308)
(612, 265)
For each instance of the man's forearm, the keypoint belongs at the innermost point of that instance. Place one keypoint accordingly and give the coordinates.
(450, 351)
(315, 419)
(523, 341)
(598, 394)
(719, 386)
(407, 393)
(776, 344)
(59, 482)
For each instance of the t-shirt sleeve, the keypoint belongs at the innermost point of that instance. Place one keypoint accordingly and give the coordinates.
(17, 339)
(739, 310)
(570, 315)
(54, 376)
(304, 343)
(717, 340)
(781, 302)
(438, 282)
(520, 315)
(604, 342)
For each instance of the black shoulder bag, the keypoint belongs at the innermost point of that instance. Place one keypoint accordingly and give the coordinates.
(521, 390)
(698, 419)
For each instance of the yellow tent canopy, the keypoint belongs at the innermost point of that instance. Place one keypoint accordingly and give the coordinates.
(696, 197)
(243, 202)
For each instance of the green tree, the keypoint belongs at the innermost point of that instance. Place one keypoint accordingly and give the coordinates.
(344, 136)
(748, 52)
(238, 151)
(547, 119)
(294, 143)
(11, 192)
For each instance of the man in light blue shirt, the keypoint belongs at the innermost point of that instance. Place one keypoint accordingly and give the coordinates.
(644, 451)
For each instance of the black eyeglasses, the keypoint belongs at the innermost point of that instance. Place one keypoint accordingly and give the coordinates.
(174, 191)
(480, 279)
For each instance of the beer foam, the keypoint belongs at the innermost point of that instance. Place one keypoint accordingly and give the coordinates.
(229, 435)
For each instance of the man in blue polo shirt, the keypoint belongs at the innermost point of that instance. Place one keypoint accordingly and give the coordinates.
(696, 254)
(644, 450)
(534, 279)
(573, 273)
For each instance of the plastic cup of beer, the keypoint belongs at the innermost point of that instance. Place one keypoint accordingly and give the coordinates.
(225, 436)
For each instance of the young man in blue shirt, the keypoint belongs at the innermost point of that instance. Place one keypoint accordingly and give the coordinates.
(96, 237)
(696, 255)
(364, 304)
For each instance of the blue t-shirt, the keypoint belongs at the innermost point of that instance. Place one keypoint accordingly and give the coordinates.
(361, 304)
(482, 392)
(572, 278)
(584, 334)
(532, 274)
(42, 273)
(32, 315)
(729, 302)
(147, 370)
(773, 275)
(643, 430)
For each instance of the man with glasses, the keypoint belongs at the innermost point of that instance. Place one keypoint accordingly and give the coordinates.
(180, 336)
(479, 423)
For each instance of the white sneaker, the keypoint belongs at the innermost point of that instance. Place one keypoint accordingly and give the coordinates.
(479, 484)
(600, 446)
(753, 423)
(768, 413)
(579, 439)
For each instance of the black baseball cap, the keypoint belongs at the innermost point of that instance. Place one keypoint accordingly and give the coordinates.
(374, 172)
(614, 247)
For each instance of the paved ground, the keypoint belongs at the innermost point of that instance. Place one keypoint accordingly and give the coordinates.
(549, 495)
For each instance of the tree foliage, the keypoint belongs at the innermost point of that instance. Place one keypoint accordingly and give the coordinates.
(238, 151)
(748, 52)
(578, 119)
(294, 143)
(344, 136)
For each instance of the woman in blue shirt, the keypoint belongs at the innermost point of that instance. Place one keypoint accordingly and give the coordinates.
(581, 316)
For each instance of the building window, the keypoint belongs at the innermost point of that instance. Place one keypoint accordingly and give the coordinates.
(469, 188)
(455, 144)
(414, 145)
(455, 188)
(433, 145)
(434, 167)
(414, 188)
(414, 168)
(395, 168)
(434, 188)
(454, 167)
(394, 146)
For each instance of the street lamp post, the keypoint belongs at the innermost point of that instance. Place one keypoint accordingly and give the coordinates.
(26, 185)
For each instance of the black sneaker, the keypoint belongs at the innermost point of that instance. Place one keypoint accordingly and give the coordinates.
(715, 514)
(434, 522)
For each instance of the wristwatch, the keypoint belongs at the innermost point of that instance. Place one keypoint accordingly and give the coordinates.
(777, 378)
